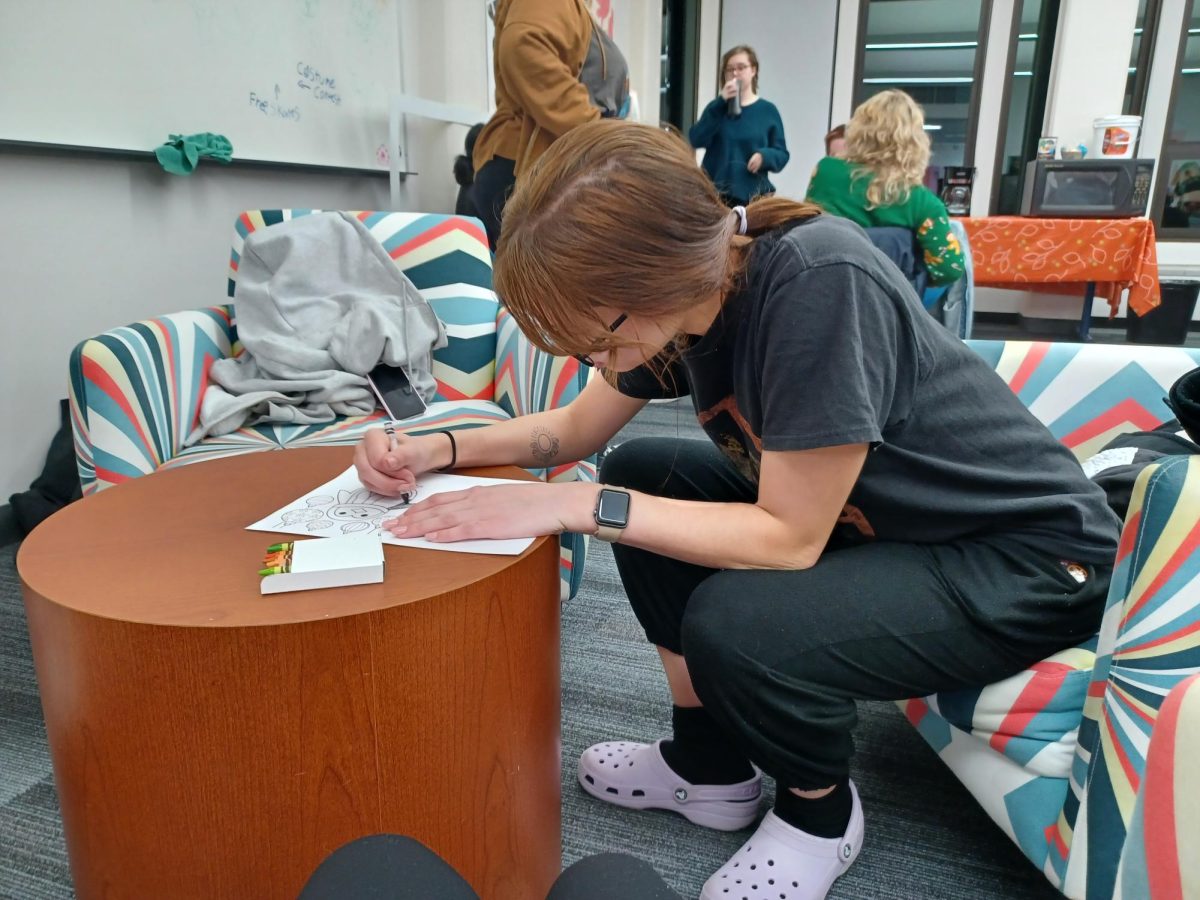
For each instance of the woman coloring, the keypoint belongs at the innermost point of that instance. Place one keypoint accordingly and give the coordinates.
(875, 516)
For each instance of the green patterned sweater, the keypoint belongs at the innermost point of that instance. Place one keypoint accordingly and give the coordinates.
(836, 189)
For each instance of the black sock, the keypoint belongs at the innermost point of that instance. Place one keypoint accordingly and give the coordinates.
(826, 817)
(701, 752)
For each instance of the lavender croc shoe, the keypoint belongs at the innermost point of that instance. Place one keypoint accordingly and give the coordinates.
(637, 777)
(780, 861)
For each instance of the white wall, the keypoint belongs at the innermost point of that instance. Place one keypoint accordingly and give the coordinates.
(637, 29)
(708, 52)
(1091, 66)
(93, 243)
(445, 59)
(988, 130)
(793, 40)
(846, 44)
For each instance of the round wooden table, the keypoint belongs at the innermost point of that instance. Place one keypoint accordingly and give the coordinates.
(211, 742)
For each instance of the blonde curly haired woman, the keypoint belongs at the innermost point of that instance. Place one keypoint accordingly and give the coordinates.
(878, 183)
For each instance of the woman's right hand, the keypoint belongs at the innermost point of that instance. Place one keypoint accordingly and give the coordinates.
(729, 89)
(392, 471)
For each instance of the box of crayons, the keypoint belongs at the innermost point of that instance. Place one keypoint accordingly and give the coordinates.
(322, 563)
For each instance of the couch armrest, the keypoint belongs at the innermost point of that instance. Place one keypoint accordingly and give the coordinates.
(1159, 858)
(529, 380)
(135, 391)
(1149, 643)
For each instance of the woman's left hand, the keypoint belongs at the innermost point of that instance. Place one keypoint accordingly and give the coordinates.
(499, 511)
(755, 163)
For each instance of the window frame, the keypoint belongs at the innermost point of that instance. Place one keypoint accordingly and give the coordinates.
(985, 26)
(1141, 78)
(684, 62)
(1035, 114)
(1172, 150)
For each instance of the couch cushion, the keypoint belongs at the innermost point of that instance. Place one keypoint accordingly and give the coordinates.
(439, 415)
(465, 369)
(1033, 717)
(1087, 394)
(448, 260)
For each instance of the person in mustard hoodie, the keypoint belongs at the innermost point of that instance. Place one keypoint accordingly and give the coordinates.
(539, 49)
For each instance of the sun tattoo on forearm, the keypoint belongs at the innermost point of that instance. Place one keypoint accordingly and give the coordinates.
(543, 445)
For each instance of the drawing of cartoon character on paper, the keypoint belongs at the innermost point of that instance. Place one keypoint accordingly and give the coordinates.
(354, 511)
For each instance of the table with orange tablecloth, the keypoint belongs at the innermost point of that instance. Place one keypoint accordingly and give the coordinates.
(1105, 256)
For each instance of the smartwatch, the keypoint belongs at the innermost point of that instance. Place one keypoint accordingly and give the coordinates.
(611, 514)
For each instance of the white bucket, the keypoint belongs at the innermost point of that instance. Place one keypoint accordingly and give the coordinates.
(1115, 137)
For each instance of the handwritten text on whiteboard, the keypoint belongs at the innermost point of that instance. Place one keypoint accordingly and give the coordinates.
(273, 107)
(323, 87)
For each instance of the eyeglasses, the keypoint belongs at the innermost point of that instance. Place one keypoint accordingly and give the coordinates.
(741, 67)
(617, 323)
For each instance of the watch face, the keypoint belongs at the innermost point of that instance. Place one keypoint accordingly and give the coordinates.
(613, 508)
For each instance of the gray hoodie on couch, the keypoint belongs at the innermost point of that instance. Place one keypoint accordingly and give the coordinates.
(319, 303)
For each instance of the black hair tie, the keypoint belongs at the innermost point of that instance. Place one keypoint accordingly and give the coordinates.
(453, 452)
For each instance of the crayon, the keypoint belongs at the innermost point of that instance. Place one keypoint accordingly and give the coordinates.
(285, 545)
(275, 570)
(389, 428)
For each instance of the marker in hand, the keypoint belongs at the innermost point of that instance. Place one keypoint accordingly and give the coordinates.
(389, 429)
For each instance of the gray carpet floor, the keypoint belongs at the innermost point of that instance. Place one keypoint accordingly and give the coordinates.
(926, 837)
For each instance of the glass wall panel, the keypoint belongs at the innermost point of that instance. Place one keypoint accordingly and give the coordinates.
(677, 84)
(932, 50)
(1184, 124)
(1140, 53)
(1177, 205)
(1029, 76)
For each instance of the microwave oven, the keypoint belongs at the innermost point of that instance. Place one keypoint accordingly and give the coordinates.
(1087, 188)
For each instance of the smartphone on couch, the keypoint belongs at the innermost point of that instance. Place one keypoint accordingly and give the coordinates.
(395, 392)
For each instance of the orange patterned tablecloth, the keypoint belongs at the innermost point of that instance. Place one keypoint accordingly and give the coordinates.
(1012, 251)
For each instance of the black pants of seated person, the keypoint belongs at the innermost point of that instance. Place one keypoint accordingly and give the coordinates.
(779, 657)
(395, 867)
(493, 183)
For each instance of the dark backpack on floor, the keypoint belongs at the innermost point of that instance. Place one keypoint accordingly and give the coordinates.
(58, 484)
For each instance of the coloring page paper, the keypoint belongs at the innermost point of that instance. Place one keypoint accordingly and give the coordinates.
(344, 506)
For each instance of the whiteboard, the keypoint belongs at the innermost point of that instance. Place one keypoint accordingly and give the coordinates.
(293, 81)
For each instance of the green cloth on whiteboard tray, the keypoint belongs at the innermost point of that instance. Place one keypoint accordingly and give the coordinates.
(180, 154)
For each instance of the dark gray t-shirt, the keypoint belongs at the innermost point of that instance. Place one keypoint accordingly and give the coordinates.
(826, 344)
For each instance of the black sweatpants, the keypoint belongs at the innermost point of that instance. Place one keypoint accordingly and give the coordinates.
(493, 183)
(779, 657)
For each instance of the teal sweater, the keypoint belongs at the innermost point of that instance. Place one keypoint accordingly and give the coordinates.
(730, 141)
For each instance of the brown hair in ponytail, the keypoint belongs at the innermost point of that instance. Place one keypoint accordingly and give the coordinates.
(619, 215)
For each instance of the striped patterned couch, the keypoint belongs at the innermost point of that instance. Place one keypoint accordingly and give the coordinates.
(135, 391)
(1087, 759)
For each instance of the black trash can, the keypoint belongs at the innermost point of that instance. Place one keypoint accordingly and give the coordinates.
(1168, 322)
